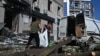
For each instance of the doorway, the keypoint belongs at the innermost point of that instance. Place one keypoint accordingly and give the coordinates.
(9, 17)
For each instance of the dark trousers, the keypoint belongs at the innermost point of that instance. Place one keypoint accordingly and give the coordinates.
(33, 36)
(48, 37)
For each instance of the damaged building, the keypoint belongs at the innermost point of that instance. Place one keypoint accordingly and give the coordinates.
(17, 15)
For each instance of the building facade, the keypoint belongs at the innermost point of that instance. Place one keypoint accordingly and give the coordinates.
(18, 15)
(78, 6)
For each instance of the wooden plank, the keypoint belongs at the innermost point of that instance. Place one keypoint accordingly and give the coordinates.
(48, 50)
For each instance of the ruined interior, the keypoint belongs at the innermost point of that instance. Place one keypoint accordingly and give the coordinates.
(80, 25)
(71, 26)
(76, 25)
(9, 17)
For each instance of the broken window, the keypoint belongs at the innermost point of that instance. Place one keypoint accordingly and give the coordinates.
(58, 11)
(77, 4)
(49, 5)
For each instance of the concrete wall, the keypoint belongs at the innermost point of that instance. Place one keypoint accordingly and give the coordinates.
(90, 25)
(22, 24)
(2, 11)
